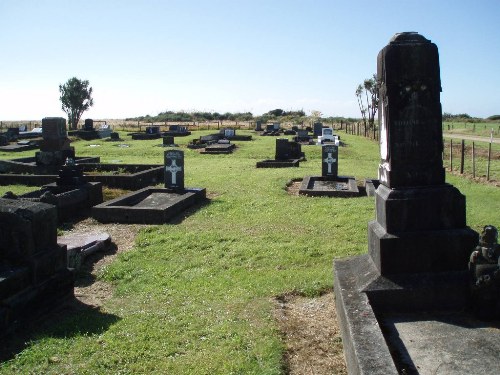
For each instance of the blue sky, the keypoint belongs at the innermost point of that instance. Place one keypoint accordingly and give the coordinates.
(145, 57)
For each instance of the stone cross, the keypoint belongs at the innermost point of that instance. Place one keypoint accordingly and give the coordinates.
(174, 169)
(330, 160)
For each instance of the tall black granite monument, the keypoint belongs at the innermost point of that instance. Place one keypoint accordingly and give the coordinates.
(418, 244)
(330, 160)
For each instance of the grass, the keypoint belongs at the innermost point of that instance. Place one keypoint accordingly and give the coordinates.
(196, 297)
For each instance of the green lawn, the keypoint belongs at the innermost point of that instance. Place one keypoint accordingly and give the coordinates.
(196, 297)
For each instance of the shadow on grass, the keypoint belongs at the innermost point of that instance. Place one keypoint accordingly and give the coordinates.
(72, 319)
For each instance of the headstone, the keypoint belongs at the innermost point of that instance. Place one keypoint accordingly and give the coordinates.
(258, 126)
(23, 128)
(152, 130)
(173, 128)
(228, 133)
(276, 126)
(71, 174)
(411, 142)
(115, 136)
(3, 140)
(269, 127)
(420, 221)
(88, 125)
(174, 169)
(286, 150)
(330, 160)
(168, 140)
(317, 129)
(55, 147)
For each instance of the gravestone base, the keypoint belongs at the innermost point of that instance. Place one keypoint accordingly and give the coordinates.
(370, 185)
(145, 136)
(218, 148)
(326, 186)
(51, 158)
(270, 163)
(148, 205)
(381, 319)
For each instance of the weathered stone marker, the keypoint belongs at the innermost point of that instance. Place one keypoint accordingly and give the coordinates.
(174, 169)
(330, 160)
(55, 147)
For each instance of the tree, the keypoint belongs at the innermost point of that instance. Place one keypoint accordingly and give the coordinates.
(367, 95)
(76, 98)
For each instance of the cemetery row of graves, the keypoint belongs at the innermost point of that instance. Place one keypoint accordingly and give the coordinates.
(218, 269)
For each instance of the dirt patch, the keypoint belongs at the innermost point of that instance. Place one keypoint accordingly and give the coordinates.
(311, 334)
(88, 289)
(293, 187)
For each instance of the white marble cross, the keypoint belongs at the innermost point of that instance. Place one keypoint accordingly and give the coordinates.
(173, 168)
(330, 160)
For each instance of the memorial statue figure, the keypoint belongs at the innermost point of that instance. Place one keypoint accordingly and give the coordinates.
(484, 267)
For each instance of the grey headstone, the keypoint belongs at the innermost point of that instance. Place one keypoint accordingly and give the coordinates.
(174, 169)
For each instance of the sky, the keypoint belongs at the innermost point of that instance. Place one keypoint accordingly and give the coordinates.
(150, 56)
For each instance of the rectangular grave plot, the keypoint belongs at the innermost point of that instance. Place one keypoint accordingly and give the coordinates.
(147, 206)
(340, 186)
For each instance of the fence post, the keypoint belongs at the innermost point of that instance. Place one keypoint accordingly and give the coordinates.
(462, 154)
(489, 156)
(451, 155)
(473, 161)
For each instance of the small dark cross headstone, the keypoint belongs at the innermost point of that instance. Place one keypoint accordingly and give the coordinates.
(174, 169)
(330, 160)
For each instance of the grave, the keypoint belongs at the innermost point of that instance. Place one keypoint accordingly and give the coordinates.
(303, 137)
(231, 135)
(114, 137)
(272, 130)
(258, 126)
(153, 205)
(34, 133)
(23, 145)
(177, 131)
(151, 132)
(317, 129)
(404, 305)
(329, 184)
(34, 278)
(222, 146)
(204, 141)
(327, 136)
(288, 154)
(55, 147)
(168, 141)
(81, 245)
(71, 194)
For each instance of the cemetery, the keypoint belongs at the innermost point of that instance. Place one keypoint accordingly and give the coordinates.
(415, 285)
